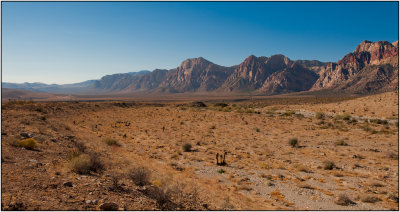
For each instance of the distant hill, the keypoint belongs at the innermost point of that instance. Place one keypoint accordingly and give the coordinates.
(372, 67)
(14, 94)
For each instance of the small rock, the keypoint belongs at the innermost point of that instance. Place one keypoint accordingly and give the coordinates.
(68, 137)
(26, 135)
(67, 184)
(88, 201)
(109, 206)
(53, 140)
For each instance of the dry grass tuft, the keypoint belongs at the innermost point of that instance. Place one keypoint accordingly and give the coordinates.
(86, 163)
(28, 143)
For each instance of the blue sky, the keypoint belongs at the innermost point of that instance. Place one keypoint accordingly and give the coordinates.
(67, 42)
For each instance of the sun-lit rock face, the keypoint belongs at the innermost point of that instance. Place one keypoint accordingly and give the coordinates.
(372, 66)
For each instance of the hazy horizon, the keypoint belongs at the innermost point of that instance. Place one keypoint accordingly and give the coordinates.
(70, 42)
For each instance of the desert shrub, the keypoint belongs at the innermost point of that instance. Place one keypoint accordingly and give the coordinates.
(289, 113)
(212, 127)
(198, 104)
(257, 129)
(370, 199)
(394, 197)
(320, 115)
(341, 143)
(344, 200)
(80, 146)
(293, 142)
(80, 164)
(226, 109)
(221, 171)
(249, 110)
(303, 168)
(187, 147)
(110, 142)
(139, 175)
(346, 117)
(85, 163)
(28, 143)
(338, 117)
(392, 155)
(220, 104)
(162, 196)
(329, 165)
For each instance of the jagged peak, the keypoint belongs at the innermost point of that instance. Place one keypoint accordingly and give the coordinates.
(194, 61)
(278, 58)
(369, 46)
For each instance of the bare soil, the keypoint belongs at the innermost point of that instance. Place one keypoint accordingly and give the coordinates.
(359, 136)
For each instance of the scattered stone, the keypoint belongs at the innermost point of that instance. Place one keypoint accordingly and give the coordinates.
(67, 184)
(109, 206)
(26, 135)
(68, 137)
(53, 140)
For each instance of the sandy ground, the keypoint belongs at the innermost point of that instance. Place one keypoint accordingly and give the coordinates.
(263, 171)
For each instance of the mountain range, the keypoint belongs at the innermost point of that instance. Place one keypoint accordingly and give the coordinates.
(372, 67)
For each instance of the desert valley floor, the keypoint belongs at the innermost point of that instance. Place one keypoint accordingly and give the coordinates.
(346, 156)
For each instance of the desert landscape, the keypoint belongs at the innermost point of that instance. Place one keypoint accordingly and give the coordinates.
(200, 106)
(315, 154)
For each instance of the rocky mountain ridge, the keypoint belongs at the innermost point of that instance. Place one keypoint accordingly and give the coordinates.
(371, 67)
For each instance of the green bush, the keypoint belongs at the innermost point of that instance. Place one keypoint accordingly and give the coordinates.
(221, 171)
(293, 142)
(28, 143)
(187, 147)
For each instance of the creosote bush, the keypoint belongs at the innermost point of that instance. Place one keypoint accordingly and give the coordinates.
(28, 143)
(220, 104)
(370, 199)
(341, 143)
(320, 115)
(344, 200)
(111, 142)
(187, 147)
(221, 171)
(293, 142)
(139, 175)
(329, 165)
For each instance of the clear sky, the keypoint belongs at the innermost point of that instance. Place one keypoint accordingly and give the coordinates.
(67, 42)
